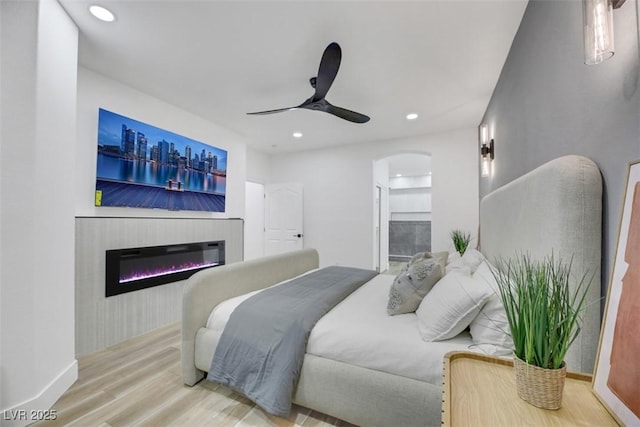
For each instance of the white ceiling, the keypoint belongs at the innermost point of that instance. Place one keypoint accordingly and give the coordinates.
(222, 59)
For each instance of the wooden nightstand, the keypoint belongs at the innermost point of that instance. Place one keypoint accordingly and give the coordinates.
(480, 390)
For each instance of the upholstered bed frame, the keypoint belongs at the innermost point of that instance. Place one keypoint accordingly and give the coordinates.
(556, 207)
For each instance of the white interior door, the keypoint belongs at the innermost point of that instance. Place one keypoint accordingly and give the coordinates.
(283, 218)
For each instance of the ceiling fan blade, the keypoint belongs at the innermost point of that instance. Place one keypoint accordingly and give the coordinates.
(349, 115)
(329, 65)
(279, 110)
(343, 113)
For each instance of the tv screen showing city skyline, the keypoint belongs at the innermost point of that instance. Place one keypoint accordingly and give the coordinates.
(143, 166)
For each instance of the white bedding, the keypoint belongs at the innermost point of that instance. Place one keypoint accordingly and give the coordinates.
(359, 331)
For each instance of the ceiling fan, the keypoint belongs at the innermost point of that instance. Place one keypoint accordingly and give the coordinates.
(329, 65)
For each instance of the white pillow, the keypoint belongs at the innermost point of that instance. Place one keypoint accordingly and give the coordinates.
(453, 256)
(467, 263)
(451, 306)
(490, 328)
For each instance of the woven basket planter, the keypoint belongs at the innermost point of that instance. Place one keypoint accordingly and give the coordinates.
(539, 386)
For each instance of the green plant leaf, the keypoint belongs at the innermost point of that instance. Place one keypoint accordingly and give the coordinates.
(460, 241)
(543, 308)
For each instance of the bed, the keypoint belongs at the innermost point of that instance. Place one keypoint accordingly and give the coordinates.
(556, 207)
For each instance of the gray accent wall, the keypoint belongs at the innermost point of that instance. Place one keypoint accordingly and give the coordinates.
(547, 104)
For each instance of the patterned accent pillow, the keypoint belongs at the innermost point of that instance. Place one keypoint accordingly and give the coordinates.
(412, 284)
(441, 257)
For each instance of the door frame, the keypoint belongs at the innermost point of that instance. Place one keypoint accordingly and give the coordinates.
(253, 220)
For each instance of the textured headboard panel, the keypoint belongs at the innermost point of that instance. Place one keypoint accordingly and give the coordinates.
(556, 208)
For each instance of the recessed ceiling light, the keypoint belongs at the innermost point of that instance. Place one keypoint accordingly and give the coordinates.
(101, 13)
(412, 116)
(297, 134)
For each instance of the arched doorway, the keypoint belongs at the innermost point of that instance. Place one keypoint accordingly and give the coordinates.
(403, 220)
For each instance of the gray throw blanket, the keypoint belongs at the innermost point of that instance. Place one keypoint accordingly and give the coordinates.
(262, 347)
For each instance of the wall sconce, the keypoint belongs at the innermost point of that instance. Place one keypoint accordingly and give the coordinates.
(597, 17)
(486, 151)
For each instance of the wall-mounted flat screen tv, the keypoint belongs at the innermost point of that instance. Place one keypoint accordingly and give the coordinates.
(142, 166)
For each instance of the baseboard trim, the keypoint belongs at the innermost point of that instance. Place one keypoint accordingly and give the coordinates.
(39, 407)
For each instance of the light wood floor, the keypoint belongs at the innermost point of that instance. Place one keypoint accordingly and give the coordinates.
(395, 267)
(138, 383)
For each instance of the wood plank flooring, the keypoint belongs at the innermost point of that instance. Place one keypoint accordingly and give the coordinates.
(395, 267)
(138, 383)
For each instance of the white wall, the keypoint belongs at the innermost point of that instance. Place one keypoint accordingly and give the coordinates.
(258, 166)
(339, 200)
(96, 91)
(38, 105)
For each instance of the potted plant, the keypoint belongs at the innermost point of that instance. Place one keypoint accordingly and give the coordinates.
(460, 241)
(544, 315)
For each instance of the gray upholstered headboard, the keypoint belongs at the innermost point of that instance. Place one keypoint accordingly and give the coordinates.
(556, 208)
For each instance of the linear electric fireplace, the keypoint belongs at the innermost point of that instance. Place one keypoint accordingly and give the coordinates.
(131, 269)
